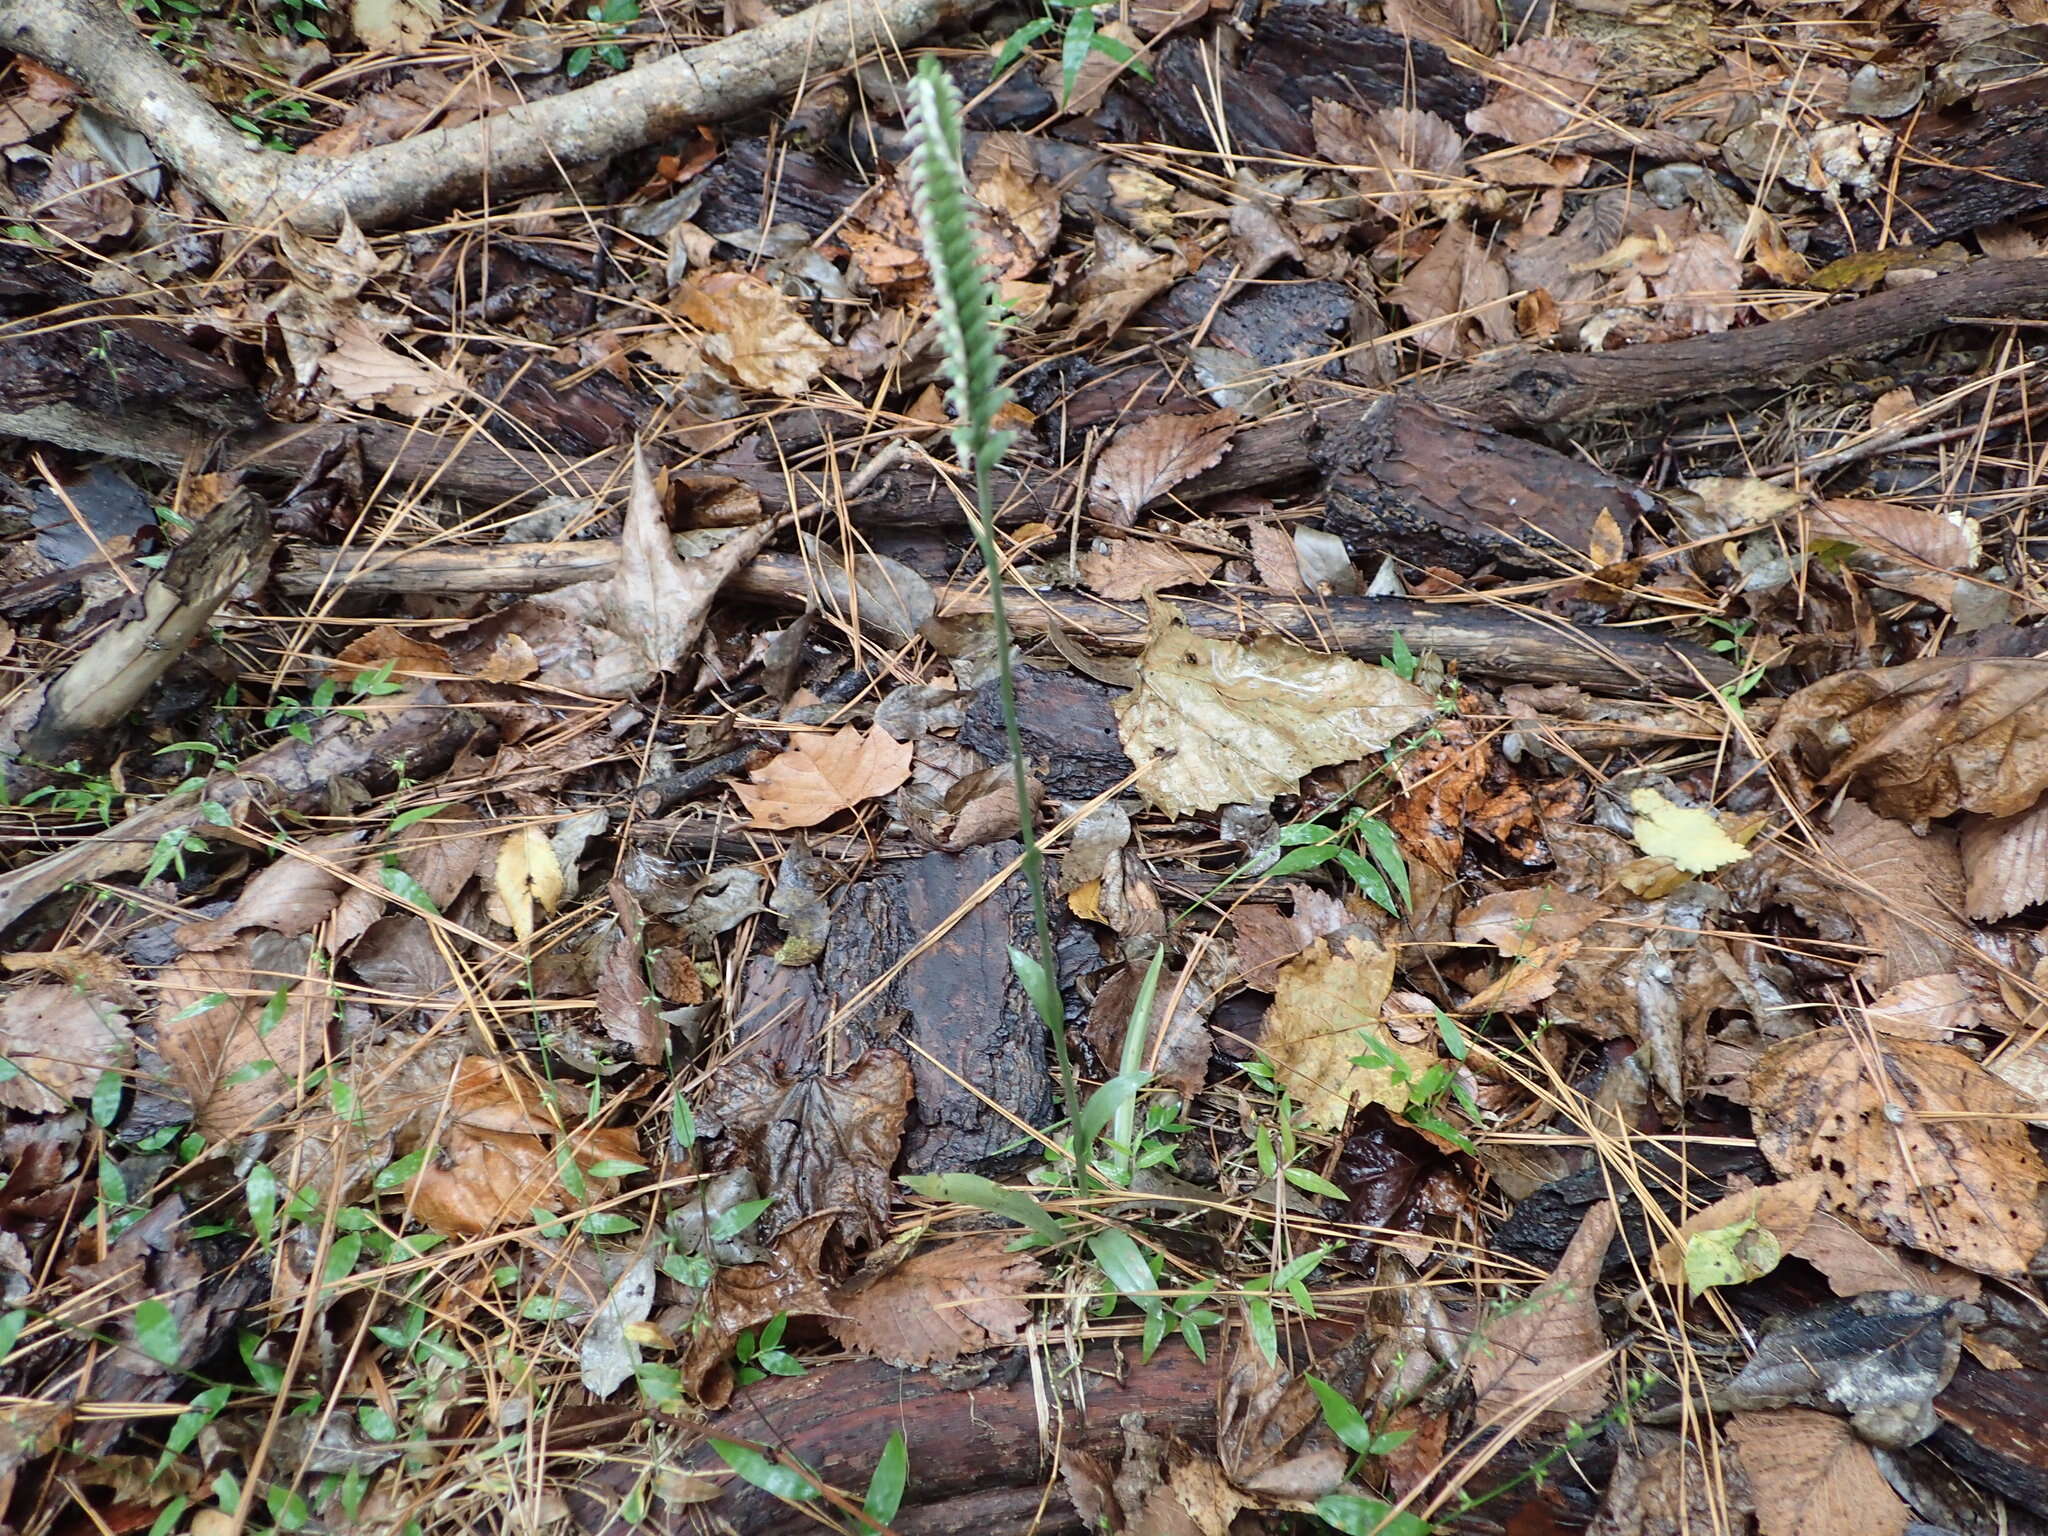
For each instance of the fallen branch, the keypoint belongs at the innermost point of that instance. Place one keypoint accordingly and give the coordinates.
(1485, 641)
(417, 735)
(119, 667)
(97, 45)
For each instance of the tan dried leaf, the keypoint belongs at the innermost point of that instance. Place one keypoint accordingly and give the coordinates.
(1906, 548)
(1022, 206)
(2005, 859)
(59, 1040)
(1810, 1475)
(1325, 1012)
(1522, 922)
(614, 636)
(1402, 157)
(1701, 285)
(1273, 557)
(1265, 937)
(1914, 1139)
(289, 897)
(1460, 279)
(1145, 461)
(1529, 1350)
(820, 776)
(1929, 738)
(753, 332)
(1902, 890)
(1852, 1264)
(497, 1155)
(211, 1031)
(363, 371)
(1124, 276)
(1124, 569)
(1936, 1006)
(527, 875)
(1545, 81)
(940, 1304)
(1215, 722)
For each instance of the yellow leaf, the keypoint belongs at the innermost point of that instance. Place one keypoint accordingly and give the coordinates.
(527, 873)
(1689, 837)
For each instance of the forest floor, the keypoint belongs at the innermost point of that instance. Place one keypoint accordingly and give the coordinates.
(1524, 542)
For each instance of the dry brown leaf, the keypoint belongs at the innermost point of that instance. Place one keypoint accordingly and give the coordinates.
(497, 1155)
(816, 1143)
(1852, 1264)
(1783, 1210)
(59, 1040)
(1021, 206)
(937, 1305)
(290, 897)
(396, 26)
(1929, 738)
(1522, 922)
(2005, 859)
(1463, 279)
(1903, 891)
(1125, 569)
(1935, 1153)
(1177, 1044)
(753, 333)
(820, 776)
(1264, 937)
(1123, 277)
(1545, 80)
(1701, 285)
(1402, 157)
(235, 1066)
(1524, 1352)
(1809, 1475)
(787, 1283)
(363, 371)
(1274, 559)
(1145, 461)
(614, 636)
(1215, 722)
(1934, 1007)
(1906, 548)
(1326, 1012)
(82, 200)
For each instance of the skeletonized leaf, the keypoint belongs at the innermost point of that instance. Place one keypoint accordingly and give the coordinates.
(1146, 461)
(1914, 1139)
(1216, 722)
(820, 776)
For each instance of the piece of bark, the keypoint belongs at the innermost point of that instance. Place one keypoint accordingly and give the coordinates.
(1302, 50)
(977, 1049)
(1068, 728)
(48, 724)
(418, 736)
(1413, 480)
(94, 43)
(1993, 1427)
(1485, 641)
(1959, 170)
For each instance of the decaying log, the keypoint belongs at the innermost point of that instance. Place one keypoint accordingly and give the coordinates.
(120, 666)
(95, 43)
(416, 735)
(1485, 641)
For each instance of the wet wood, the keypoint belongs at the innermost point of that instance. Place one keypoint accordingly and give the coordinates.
(1433, 488)
(1994, 1429)
(977, 1049)
(1484, 641)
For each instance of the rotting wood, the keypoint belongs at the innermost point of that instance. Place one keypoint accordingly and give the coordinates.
(96, 44)
(1487, 641)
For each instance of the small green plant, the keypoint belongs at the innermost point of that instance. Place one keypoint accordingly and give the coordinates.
(1428, 1091)
(762, 1355)
(1751, 672)
(298, 719)
(968, 314)
(1079, 34)
(612, 16)
(265, 115)
(90, 798)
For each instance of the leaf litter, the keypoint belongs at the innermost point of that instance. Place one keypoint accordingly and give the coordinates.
(1574, 1095)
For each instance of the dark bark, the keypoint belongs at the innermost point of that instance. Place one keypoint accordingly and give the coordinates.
(976, 1047)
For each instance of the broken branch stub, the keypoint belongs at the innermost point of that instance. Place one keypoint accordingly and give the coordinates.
(96, 45)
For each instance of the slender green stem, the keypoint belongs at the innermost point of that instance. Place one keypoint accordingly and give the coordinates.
(1027, 821)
